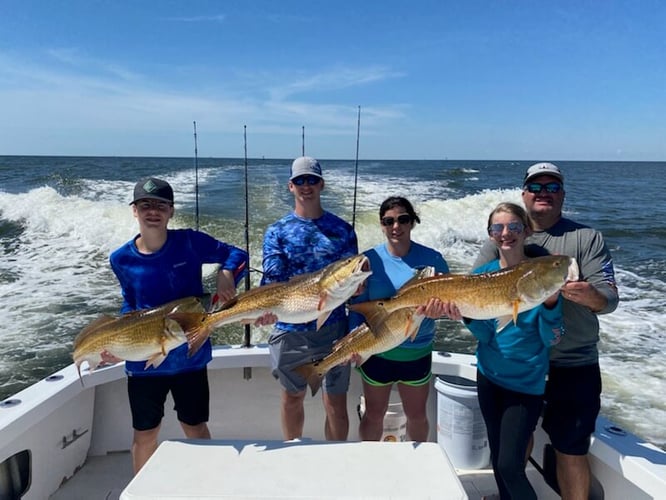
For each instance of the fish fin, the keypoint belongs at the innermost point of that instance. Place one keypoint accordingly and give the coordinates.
(502, 322)
(426, 272)
(372, 310)
(155, 360)
(413, 325)
(195, 330)
(104, 319)
(322, 319)
(516, 304)
(309, 373)
(362, 360)
(322, 300)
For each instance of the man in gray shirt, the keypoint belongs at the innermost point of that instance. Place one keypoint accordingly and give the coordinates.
(573, 391)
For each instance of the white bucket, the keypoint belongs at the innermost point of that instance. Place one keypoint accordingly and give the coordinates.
(395, 421)
(461, 431)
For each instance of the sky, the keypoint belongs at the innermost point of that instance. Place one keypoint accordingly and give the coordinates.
(417, 79)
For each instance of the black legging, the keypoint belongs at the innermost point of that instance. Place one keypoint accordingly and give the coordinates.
(510, 421)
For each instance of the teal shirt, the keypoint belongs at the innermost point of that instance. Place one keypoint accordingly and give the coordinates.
(516, 358)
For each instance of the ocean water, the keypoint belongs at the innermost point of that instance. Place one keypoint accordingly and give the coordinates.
(60, 217)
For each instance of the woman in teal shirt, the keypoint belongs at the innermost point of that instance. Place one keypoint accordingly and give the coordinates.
(513, 363)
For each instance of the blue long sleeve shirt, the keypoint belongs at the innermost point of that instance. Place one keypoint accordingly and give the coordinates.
(173, 272)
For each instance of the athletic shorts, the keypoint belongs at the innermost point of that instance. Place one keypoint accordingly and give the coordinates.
(289, 349)
(572, 404)
(147, 395)
(380, 371)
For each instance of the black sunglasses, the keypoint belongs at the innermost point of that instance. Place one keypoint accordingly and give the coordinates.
(311, 180)
(402, 219)
(513, 227)
(537, 187)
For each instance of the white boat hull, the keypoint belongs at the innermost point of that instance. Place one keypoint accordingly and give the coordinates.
(62, 424)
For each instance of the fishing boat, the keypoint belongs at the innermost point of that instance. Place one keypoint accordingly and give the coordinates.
(65, 438)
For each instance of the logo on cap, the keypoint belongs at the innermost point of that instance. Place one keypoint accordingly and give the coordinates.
(150, 186)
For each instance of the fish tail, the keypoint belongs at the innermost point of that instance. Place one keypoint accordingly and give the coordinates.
(195, 328)
(309, 373)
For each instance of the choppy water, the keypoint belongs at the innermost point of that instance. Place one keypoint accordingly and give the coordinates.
(60, 217)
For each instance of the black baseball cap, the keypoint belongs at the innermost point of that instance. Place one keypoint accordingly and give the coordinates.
(152, 188)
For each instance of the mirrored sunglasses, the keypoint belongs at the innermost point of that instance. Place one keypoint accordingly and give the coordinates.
(537, 187)
(310, 180)
(402, 219)
(512, 227)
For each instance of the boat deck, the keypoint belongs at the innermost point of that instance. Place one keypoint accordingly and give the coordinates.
(105, 478)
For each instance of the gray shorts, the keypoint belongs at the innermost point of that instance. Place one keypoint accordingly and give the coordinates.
(291, 349)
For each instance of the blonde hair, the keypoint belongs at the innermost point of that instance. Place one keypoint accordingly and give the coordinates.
(513, 209)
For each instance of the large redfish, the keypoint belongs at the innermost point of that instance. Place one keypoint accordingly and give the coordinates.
(304, 298)
(148, 335)
(501, 294)
(382, 335)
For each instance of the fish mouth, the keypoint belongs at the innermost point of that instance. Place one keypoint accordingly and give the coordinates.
(363, 264)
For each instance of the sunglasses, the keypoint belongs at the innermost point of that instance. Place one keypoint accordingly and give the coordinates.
(310, 180)
(512, 227)
(550, 187)
(402, 219)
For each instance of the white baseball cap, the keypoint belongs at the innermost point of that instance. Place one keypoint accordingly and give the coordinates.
(305, 165)
(543, 168)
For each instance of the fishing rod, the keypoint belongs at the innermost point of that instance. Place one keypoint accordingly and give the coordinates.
(247, 370)
(196, 179)
(303, 140)
(246, 339)
(358, 133)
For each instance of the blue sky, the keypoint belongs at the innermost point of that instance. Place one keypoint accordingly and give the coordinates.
(464, 79)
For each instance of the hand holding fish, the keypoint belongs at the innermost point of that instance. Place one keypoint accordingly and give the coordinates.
(435, 309)
(585, 294)
(226, 288)
(267, 319)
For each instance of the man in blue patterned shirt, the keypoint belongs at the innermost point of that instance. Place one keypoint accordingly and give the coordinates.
(304, 241)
